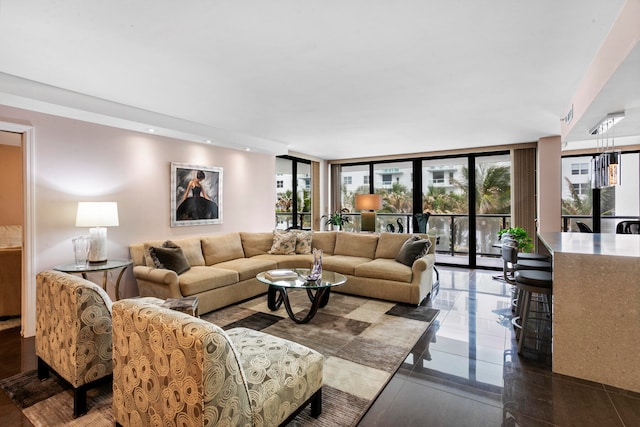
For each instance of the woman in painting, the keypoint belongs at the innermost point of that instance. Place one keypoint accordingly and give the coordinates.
(196, 204)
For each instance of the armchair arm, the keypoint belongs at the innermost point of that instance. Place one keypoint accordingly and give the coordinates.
(157, 282)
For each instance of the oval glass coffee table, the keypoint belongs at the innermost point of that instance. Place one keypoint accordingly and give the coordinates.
(317, 290)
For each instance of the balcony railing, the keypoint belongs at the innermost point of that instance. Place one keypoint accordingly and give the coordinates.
(452, 230)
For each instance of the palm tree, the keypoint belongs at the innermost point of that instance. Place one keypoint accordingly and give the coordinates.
(577, 204)
(396, 199)
(493, 188)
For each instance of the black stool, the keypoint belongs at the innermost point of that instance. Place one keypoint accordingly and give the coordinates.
(529, 322)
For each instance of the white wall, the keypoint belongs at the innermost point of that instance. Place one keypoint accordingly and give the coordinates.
(78, 161)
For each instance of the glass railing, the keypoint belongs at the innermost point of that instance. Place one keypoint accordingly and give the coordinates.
(284, 220)
(452, 230)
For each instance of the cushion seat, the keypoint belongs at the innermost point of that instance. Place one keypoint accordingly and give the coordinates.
(247, 268)
(343, 264)
(199, 279)
(289, 261)
(383, 268)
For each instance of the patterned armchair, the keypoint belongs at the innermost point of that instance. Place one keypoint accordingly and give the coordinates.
(73, 332)
(174, 369)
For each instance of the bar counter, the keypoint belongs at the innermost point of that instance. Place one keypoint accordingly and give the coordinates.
(596, 306)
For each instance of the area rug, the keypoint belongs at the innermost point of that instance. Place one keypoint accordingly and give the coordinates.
(364, 342)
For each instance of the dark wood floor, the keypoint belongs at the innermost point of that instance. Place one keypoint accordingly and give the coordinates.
(463, 371)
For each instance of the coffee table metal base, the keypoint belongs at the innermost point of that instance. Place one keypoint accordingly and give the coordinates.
(278, 294)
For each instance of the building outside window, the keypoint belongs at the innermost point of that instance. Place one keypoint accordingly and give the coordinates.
(347, 180)
(293, 193)
(617, 203)
(579, 168)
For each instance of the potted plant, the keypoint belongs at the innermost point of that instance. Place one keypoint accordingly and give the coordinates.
(520, 235)
(337, 219)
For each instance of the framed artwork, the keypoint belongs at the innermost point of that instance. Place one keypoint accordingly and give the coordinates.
(196, 195)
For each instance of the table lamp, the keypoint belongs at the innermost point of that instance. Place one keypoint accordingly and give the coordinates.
(97, 215)
(368, 203)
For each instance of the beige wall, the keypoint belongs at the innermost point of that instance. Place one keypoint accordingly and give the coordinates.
(11, 191)
(549, 177)
(78, 161)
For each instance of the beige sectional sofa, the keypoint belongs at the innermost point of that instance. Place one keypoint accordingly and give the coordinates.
(222, 267)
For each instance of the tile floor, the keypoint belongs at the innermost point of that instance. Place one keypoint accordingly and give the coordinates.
(463, 371)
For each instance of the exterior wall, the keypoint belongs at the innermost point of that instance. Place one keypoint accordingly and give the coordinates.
(78, 161)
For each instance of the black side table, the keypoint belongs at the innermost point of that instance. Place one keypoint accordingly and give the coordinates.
(112, 264)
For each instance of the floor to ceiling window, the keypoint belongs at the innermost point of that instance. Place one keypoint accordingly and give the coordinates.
(394, 182)
(600, 209)
(492, 204)
(445, 195)
(293, 193)
(442, 187)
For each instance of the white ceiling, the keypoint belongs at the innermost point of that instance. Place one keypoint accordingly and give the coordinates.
(332, 79)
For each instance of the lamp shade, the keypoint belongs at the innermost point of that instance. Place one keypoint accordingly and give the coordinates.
(368, 202)
(97, 214)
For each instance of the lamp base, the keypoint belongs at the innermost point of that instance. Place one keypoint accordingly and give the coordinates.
(98, 251)
(368, 221)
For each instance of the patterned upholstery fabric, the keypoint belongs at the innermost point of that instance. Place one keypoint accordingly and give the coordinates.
(284, 243)
(272, 364)
(174, 369)
(73, 329)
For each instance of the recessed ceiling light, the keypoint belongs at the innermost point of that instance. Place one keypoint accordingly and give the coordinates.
(151, 130)
(247, 149)
(208, 141)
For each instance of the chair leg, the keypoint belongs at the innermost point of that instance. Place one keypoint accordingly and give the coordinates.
(79, 400)
(524, 320)
(43, 369)
(316, 403)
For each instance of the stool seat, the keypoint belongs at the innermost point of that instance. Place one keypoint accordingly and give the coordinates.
(525, 264)
(536, 278)
(533, 257)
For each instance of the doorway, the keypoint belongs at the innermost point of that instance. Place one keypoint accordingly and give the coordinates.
(11, 228)
(27, 191)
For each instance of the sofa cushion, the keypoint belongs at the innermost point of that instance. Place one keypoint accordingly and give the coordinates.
(170, 258)
(384, 268)
(325, 240)
(247, 268)
(303, 241)
(354, 244)
(389, 244)
(200, 279)
(222, 247)
(289, 261)
(284, 243)
(256, 243)
(412, 249)
(342, 264)
(192, 249)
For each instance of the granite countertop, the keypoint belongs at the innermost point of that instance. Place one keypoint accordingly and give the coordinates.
(626, 245)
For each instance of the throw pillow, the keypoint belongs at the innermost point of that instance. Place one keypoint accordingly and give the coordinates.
(303, 241)
(150, 258)
(412, 249)
(284, 243)
(171, 258)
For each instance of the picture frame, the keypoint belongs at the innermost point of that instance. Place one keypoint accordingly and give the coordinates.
(196, 195)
